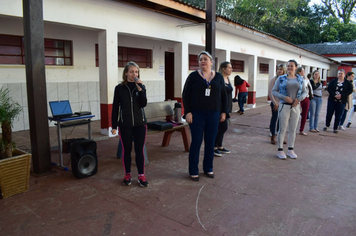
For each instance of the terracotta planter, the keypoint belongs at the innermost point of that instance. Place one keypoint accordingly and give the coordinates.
(15, 174)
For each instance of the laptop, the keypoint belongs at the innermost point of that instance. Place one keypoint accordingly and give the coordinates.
(61, 109)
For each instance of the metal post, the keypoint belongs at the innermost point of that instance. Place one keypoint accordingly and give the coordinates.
(36, 86)
(210, 26)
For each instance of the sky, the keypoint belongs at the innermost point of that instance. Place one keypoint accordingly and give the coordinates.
(311, 3)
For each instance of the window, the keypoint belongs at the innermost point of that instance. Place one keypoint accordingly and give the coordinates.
(142, 57)
(57, 52)
(237, 66)
(11, 50)
(193, 62)
(264, 68)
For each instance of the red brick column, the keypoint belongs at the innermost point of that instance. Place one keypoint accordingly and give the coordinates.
(251, 99)
(105, 114)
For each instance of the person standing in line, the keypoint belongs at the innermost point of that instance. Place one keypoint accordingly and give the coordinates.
(290, 90)
(281, 70)
(225, 69)
(205, 105)
(241, 87)
(349, 104)
(339, 90)
(316, 102)
(130, 97)
(353, 109)
(305, 103)
(309, 77)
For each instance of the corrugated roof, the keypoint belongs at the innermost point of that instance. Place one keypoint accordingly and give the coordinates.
(331, 48)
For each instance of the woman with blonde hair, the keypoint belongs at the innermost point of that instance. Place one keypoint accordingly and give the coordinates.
(306, 102)
(339, 90)
(316, 102)
(130, 97)
(205, 105)
(281, 70)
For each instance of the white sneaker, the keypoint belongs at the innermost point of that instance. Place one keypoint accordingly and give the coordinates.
(281, 155)
(292, 154)
(341, 127)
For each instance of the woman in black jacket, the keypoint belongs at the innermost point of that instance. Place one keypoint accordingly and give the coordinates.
(205, 104)
(130, 98)
(339, 90)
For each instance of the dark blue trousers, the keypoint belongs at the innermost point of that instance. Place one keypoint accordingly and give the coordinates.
(337, 108)
(205, 125)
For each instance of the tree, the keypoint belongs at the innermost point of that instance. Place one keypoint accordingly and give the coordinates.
(343, 9)
(334, 30)
(292, 20)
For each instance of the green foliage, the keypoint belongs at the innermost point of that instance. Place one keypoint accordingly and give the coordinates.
(9, 109)
(343, 9)
(292, 20)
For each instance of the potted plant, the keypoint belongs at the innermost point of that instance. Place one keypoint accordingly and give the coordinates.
(14, 164)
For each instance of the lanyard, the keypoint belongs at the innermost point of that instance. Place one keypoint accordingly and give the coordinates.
(211, 77)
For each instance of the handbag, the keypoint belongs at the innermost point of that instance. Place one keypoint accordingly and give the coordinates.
(311, 96)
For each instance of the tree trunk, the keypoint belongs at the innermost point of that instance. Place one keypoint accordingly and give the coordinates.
(6, 138)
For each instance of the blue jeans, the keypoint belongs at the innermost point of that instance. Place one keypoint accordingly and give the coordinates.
(314, 110)
(343, 117)
(272, 125)
(205, 124)
(242, 100)
(337, 108)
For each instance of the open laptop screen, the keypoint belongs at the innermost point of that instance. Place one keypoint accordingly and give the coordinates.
(60, 108)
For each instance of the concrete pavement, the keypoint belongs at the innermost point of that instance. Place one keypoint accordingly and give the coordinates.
(253, 192)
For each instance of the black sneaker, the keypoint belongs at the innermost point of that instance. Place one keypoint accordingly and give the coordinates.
(325, 128)
(217, 153)
(348, 125)
(335, 131)
(142, 181)
(223, 150)
(127, 180)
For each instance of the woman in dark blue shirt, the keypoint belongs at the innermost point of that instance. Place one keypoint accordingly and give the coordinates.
(205, 104)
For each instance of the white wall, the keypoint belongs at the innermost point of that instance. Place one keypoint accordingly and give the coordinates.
(81, 22)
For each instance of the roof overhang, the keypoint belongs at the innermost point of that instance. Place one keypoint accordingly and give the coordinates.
(171, 8)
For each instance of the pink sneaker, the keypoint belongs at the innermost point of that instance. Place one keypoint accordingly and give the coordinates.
(142, 181)
(281, 155)
(292, 154)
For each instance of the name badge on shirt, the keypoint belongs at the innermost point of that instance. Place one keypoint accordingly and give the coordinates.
(207, 92)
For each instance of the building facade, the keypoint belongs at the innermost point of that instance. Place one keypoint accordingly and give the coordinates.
(87, 43)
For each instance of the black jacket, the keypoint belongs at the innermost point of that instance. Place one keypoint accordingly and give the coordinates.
(131, 103)
(194, 98)
(347, 90)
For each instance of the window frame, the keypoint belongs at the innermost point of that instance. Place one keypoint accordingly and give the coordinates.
(46, 51)
(141, 56)
(237, 65)
(263, 68)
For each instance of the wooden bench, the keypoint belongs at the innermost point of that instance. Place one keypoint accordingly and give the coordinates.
(160, 111)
